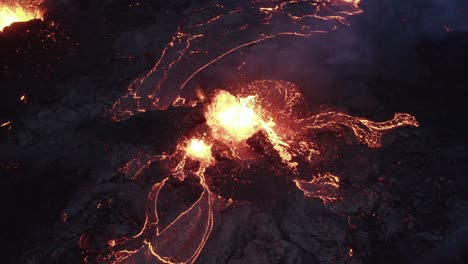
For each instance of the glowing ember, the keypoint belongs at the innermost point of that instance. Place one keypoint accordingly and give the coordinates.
(6, 124)
(16, 12)
(24, 98)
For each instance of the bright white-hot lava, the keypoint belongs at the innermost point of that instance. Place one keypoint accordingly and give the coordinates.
(234, 119)
(198, 149)
(231, 118)
(18, 12)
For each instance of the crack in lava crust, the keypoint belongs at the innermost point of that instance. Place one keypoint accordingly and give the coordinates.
(235, 150)
(217, 30)
(256, 136)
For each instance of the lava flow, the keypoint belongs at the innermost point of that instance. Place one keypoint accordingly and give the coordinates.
(259, 138)
(233, 121)
(19, 11)
(233, 26)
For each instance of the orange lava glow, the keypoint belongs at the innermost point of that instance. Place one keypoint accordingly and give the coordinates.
(273, 113)
(235, 119)
(324, 187)
(231, 118)
(19, 12)
(191, 50)
(197, 149)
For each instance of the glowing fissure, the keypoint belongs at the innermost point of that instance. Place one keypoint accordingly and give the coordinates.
(195, 45)
(19, 11)
(324, 187)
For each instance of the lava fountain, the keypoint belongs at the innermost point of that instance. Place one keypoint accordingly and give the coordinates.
(233, 119)
(19, 12)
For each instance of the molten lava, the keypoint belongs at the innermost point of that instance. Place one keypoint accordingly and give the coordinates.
(197, 149)
(231, 118)
(204, 40)
(234, 120)
(19, 12)
(324, 187)
(266, 121)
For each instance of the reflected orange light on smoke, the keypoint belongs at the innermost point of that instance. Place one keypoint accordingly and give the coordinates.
(11, 13)
(197, 149)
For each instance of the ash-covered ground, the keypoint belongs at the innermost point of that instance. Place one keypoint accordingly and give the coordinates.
(403, 203)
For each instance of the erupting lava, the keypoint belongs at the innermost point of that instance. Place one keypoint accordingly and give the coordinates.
(233, 119)
(263, 126)
(232, 122)
(20, 11)
(197, 149)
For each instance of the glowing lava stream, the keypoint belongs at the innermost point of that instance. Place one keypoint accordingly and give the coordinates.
(19, 12)
(192, 48)
(232, 120)
(272, 112)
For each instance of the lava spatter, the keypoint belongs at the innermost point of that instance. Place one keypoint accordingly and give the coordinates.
(19, 11)
(233, 125)
(199, 150)
(256, 135)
